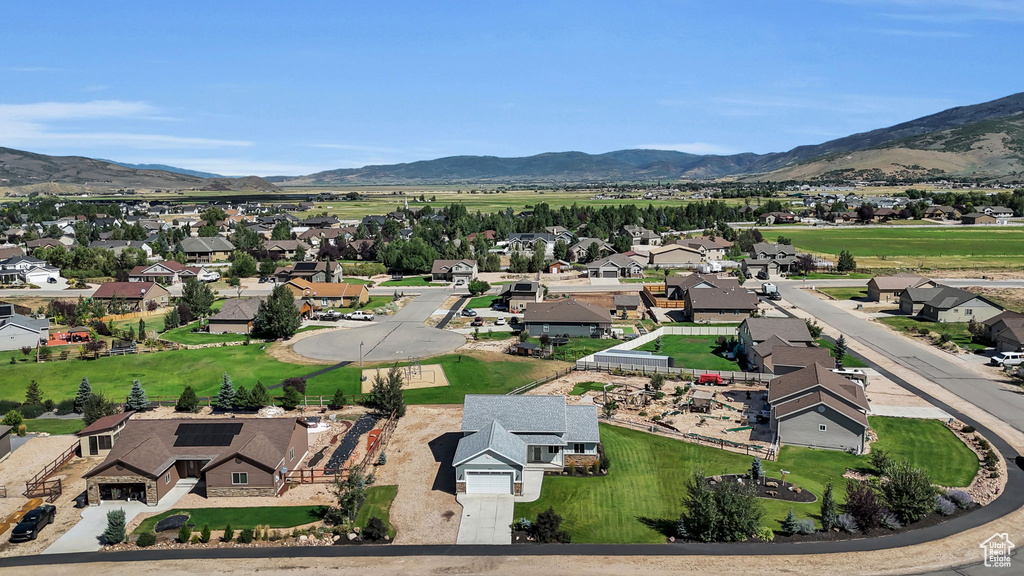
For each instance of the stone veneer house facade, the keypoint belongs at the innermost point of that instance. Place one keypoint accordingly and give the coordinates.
(235, 457)
(505, 435)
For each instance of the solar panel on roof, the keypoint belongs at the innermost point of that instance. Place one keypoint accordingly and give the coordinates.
(303, 266)
(207, 434)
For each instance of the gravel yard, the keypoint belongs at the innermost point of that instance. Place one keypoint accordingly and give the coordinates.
(419, 463)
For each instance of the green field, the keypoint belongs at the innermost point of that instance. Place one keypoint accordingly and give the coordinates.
(845, 293)
(55, 426)
(239, 518)
(185, 335)
(377, 505)
(957, 331)
(358, 281)
(639, 499)
(484, 301)
(693, 352)
(936, 247)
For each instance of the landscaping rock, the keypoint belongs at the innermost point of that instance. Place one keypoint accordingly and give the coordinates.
(171, 523)
(772, 484)
(303, 538)
(352, 536)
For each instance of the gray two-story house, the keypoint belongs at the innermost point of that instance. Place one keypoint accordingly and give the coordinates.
(816, 408)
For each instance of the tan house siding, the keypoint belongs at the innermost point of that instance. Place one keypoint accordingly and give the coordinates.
(720, 315)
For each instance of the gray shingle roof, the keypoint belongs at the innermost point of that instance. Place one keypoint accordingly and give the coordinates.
(581, 424)
(493, 438)
(211, 244)
(528, 414)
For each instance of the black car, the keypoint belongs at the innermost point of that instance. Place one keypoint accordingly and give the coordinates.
(33, 522)
(762, 275)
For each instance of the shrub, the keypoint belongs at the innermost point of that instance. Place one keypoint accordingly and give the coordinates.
(572, 470)
(879, 460)
(967, 429)
(789, 524)
(22, 429)
(846, 523)
(991, 459)
(605, 462)
(596, 468)
(765, 533)
(522, 525)
(296, 382)
(204, 534)
(982, 443)
(13, 419)
(828, 509)
(291, 398)
(187, 402)
(184, 533)
(890, 521)
(31, 410)
(375, 530)
(383, 459)
(114, 533)
(909, 492)
(863, 506)
(145, 540)
(547, 528)
(944, 506)
(338, 401)
(960, 497)
(756, 469)
(724, 512)
(229, 534)
(245, 536)
(195, 539)
(65, 407)
(805, 526)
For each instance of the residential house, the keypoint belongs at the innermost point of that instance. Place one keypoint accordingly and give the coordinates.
(912, 299)
(568, 317)
(118, 246)
(316, 272)
(236, 316)
(816, 408)
(526, 241)
(136, 295)
(627, 306)
(1011, 338)
(950, 304)
(769, 259)
(286, 249)
(726, 302)
(506, 437)
(206, 250)
(166, 272)
(98, 438)
(18, 330)
(325, 295)
(677, 286)
(885, 214)
(942, 213)
(10, 251)
(778, 217)
(317, 237)
(786, 359)
(42, 243)
(5, 441)
(889, 288)
(452, 270)
(675, 256)
(517, 295)
(641, 235)
(1000, 322)
(615, 266)
(559, 267)
(578, 252)
(996, 211)
(489, 235)
(234, 457)
(977, 218)
(759, 336)
(709, 249)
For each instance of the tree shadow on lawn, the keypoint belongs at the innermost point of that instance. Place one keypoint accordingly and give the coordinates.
(664, 526)
(443, 448)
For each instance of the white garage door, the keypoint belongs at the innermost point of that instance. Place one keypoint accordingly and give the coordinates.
(488, 482)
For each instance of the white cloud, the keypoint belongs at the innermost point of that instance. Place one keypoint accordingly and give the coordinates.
(691, 148)
(40, 124)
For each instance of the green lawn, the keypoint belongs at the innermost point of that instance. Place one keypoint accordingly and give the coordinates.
(377, 504)
(693, 352)
(161, 373)
(153, 323)
(408, 281)
(358, 281)
(845, 293)
(55, 426)
(957, 330)
(499, 335)
(848, 362)
(578, 347)
(239, 518)
(484, 301)
(643, 489)
(583, 387)
(927, 444)
(185, 335)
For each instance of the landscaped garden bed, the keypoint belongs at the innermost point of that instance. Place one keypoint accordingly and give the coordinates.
(769, 488)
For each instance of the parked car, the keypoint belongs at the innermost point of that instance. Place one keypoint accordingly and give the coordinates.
(762, 275)
(264, 279)
(478, 321)
(469, 312)
(460, 282)
(499, 307)
(499, 322)
(33, 522)
(1007, 359)
(359, 315)
(51, 280)
(330, 315)
(710, 379)
(513, 321)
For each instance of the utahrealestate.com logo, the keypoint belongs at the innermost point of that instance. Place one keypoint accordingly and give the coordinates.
(997, 550)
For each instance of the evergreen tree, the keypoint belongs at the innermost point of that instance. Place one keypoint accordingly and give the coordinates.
(846, 262)
(84, 391)
(291, 398)
(789, 524)
(137, 399)
(96, 407)
(277, 316)
(756, 469)
(33, 395)
(259, 396)
(115, 531)
(840, 350)
(226, 397)
(142, 329)
(338, 402)
(386, 394)
(187, 402)
(172, 319)
(828, 509)
(243, 398)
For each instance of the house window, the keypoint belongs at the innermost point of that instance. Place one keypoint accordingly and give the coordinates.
(969, 311)
(579, 448)
(323, 302)
(167, 478)
(291, 453)
(239, 478)
(547, 328)
(104, 442)
(552, 449)
(822, 427)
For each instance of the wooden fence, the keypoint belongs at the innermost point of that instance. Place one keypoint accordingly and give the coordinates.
(334, 475)
(768, 453)
(3, 491)
(40, 485)
(651, 291)
(539, 381)
(309, 401)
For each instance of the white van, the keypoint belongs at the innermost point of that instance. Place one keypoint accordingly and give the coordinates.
(1007, 359)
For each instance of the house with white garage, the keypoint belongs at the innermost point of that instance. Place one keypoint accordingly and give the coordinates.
(504, 436)
(615, 266)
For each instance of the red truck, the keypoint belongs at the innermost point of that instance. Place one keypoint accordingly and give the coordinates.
(713, 379)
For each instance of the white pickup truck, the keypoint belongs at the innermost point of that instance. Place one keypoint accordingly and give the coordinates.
(359, 315)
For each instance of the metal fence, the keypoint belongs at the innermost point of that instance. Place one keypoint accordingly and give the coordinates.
(767, 453)
(729, 376)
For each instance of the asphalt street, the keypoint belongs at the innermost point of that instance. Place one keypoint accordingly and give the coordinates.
(397, 337)
(1007, 405)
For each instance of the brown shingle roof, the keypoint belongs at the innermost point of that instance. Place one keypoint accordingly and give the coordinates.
(898, 281)
(126, 290)
(717, 299)
(789, 329)
(106, 423)
(802, 356)
(306, 289)
(238, 309)
(804, 402)
(816, 376)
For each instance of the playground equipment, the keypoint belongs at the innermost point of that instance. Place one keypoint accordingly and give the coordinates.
(413, 369)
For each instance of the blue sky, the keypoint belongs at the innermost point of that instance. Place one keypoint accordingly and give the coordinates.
(295, 87)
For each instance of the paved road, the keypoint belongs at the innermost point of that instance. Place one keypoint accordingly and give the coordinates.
(388, 337)
(1004, 404)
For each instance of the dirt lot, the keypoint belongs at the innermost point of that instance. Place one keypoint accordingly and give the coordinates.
(1009, 298)
(419, 463)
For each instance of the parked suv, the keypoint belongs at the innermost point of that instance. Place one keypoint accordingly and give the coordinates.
(1007, 359)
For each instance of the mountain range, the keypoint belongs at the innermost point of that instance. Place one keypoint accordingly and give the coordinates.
(982, 140)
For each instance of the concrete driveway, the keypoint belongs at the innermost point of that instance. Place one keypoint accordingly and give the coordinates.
(486, 519)
(85, 536)
(387, 337)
